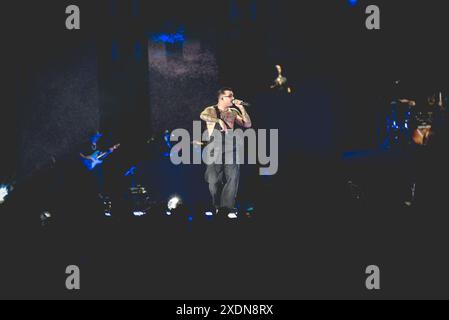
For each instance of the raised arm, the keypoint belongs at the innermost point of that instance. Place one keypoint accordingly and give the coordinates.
(243, 119)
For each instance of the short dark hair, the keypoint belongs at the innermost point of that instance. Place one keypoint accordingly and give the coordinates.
(222, 91)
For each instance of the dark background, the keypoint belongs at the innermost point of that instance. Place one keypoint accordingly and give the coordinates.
(65, 84)
(309, 240)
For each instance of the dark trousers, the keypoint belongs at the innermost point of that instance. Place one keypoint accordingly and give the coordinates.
(91, 182)
(223, 182)
(98, 174)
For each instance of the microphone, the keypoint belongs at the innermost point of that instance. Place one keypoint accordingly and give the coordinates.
(243, 103)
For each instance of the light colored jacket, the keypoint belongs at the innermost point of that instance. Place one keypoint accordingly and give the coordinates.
(210, 111)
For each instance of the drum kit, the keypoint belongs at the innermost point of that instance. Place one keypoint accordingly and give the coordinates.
(411, 123)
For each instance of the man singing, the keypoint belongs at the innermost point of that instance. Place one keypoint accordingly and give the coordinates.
(223, 178)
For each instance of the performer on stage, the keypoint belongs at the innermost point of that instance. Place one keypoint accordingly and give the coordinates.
(428, 138)
(224, 178)
(281, 82)
(92, 158)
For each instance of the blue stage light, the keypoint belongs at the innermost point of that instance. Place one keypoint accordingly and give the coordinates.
(169, 37)
(167, 140)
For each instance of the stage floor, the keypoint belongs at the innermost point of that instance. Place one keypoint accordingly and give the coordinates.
(308, 237)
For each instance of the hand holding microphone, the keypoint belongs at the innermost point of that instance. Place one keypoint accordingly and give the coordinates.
(240, 103)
